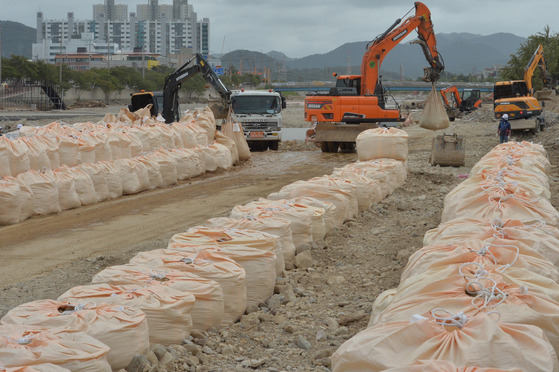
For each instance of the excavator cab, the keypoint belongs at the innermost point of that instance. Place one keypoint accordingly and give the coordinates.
(140, 100)
(471, 100)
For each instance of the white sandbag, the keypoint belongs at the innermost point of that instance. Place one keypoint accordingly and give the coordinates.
(18, 157)
(69, 150)
(97, 174)
(167, 167)
(153, 169)
(10, 202)
(378, 143)
(112, 176)
(37, 151)
(4, 157)
(434, 116)
(134, 176)
(84, 186)
(67, 196)
(45, 191)
(206, 119)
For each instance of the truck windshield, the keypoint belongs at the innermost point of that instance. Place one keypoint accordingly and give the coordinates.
(256, 104)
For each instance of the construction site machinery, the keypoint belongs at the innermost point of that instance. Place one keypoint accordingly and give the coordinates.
(359, 102)
(166, 102)
(516, 97)
(448, 150)
(469, 101)
(259, 112)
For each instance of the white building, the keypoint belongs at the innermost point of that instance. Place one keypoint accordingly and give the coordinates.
(153, 28)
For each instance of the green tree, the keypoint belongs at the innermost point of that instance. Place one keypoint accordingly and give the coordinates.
(514, 69)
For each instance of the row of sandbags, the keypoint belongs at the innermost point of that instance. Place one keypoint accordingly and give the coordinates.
(205, 278)
(111, 139)
(482, 294)
(43, 191)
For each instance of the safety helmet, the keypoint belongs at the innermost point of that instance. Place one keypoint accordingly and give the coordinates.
(19, 126)
(505, 116)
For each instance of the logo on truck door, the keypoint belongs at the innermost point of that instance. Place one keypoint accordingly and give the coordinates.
(319, 105)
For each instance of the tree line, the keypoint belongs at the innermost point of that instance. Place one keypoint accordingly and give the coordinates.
(18, 70)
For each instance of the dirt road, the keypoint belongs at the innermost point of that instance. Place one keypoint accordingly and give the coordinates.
(320, 307)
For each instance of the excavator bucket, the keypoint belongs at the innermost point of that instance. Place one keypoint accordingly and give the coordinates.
(544, 95)
(219, 109)
(448, 150)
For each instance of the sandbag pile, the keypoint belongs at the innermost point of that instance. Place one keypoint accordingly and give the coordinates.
(209, 275)
(59, 167)
(485, 284)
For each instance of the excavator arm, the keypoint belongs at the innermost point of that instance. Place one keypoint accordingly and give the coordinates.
(174, 80)
(537, 60)
(455, 94)
(379, 48)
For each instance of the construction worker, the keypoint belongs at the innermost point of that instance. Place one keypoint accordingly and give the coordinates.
(504, 129)
(1, 131)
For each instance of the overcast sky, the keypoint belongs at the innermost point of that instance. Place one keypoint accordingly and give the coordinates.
(303, 27)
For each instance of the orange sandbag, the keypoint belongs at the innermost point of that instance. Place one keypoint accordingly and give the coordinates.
(259, 264)
(208, 308)
(43, 367)
(326, 193)
(225, 237)
(63, 347)
(515, 305)
(45, 192)
(434, 116)
(123, 329)
(523, 155)
(302, 217)
(10, 202)
(378, 143)
(542, 238)
(479, 341)
(444, 366)
(167, 310)
(510, 200)
(208, 264)
(497, 252)
(278, 226)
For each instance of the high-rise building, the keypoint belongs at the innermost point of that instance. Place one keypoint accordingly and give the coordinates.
(154, 28)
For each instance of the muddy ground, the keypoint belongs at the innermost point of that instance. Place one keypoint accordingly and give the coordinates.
(315, 309)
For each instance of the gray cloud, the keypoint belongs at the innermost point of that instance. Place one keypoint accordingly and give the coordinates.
(303, 27)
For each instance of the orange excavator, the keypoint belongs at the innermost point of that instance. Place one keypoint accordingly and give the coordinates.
(465, 103)
(358, 102)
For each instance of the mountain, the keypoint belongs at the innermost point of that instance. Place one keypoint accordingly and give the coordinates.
(279, 56)
(17, 39)
(462, 53)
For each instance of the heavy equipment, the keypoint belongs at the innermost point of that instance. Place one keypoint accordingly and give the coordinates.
(465, 103)
(516, 97)
(166, 102)
(359, 102)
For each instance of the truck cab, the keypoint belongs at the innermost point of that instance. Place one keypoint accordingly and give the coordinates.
(259, 112)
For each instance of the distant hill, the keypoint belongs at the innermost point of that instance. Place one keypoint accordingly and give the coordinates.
(17, 39)
(462, 53)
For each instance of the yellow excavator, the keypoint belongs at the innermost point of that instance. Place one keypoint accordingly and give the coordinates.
(516, 97)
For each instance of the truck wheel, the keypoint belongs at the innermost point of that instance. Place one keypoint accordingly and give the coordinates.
(347, 147)
(333, 146)
(273, 145)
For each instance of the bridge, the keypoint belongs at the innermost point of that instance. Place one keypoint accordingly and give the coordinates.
(393, 87)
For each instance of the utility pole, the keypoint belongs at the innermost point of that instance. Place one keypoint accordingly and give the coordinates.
(108, 44)
(61, 37)
(143, 62)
